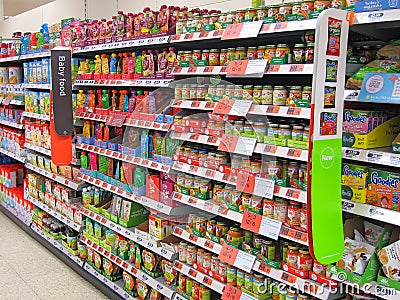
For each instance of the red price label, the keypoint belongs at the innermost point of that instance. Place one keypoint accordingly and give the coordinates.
(228, 143)
(192, 69)
(232, 31)
(277, 189)
(178, 265)
(265, 28)
(288, 278)
(228, 254)
(264, 268)
(192, 273)
(203, 34)
(177, 70)
(224, 106)
(218, 32)
(176, 37)
(188, 36)
(270, 149)
(294, 152)
(194, 137)
(193, 238)
(231, 293)
(210, 173)
(207, 280)
(208, 69)
(274, 68)
(273, 109)
(245, 182)
(296, 68)
(178, 231)
(281, 26)
(293, 193)
(209, 244)
(294, 111)
(237, 67)
(192, 201)
(251, 221)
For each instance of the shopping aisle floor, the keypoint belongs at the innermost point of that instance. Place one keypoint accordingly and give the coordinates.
(29, 271)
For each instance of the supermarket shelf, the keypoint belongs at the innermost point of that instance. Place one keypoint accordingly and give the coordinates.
(55, 214)
(147, 124)
(7, 59)
(381, 156)
(147, 163)
(376, 16)
(288, 26)
(145, 201)
(198, 241)
(91, 116)
(351, 95)
(116, 287)
(279, 151)
(209, 282)
(124, 44)
(281, 111)
(130, 234)
(124, 83)
(370, 211)
(26, 114)
(196, 36)
(200, 105)
(196, 138)
(39, 86)
(307, 286)
(288, 69)
(17, 102)
(204, 172)
(65, 181)
(38, 149)
(13, 155)
(12, 124)
(157, 284)
(218, 210)
(290, 194)
(47, 152)
(21, 214)
(57, 244)
(34, 55)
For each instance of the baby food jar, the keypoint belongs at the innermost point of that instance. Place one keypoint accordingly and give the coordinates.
(251, 53)
(214, 57)
(279, 95)
(299, 52)
(267, 95)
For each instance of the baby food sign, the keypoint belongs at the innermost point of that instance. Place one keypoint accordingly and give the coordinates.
(61, 119)
(324, 201)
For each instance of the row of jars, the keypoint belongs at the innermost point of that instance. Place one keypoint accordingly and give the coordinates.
(265, 95)
(278, 11)
(300, 54)
(190, 287)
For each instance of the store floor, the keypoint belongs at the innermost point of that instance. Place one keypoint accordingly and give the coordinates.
(30, 271)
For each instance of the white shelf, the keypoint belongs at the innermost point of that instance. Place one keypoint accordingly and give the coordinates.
(150, 203)
(212, 283)
(198, 241)
(12, 124)
(196, 36)
(26, 114)
(158, 284)
(147, 163)
(147, 124)
(279, 151)
(39, 86)
(57, 244)
(35, 55)
(64, 181)
(55, 214)
(13, 155)
(116, 286)
(370, 211)
(38, 149)
(198, 105)
(305, 285)
(142, 82)
(7, 59)
(208, 70)
(23, 215)
(377, 16)
(196, 138)
(17, 102)
(124, 44)
(128, 233)
(288, 26)
(280, 111)
(381, 156)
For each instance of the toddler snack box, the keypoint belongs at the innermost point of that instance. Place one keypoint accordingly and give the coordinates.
(354, 182)
(383, 189)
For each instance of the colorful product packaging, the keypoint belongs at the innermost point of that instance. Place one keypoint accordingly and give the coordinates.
(354, 182)
(383, 189)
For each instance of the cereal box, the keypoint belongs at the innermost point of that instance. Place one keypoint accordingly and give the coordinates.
(354, 182)
(383, 189)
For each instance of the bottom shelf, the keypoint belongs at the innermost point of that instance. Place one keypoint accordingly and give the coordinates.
(20, 213)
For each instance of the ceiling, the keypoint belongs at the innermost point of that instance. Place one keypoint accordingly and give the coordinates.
(15, 7)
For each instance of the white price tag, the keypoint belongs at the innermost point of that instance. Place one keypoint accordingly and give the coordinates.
(241, 107)
(395, 159)
(250, 29)
(245, 146)
(264, 187)
(256, 67)
(270, 228)
(244, 261)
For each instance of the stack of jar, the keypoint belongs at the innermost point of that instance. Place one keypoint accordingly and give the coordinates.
(284, 131)
(300, 54)
(192, 288)
(194, 186)
(264, 95)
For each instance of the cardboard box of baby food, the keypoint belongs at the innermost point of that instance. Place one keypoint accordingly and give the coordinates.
(372, 269)
(354, 182)
(383, 189)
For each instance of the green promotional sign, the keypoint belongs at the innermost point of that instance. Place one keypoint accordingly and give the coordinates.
(326, 210)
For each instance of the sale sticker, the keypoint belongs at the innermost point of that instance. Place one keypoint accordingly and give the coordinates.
(245, 182)
(232, 31)
(262, 225)
(264, 187)
(228, 254)
(231, 293)
(237, 67)
(228, 143)
(296, 68)
(242, 30)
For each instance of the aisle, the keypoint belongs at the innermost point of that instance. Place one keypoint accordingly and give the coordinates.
(29, 271)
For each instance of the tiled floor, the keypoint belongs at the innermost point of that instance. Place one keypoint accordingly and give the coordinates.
(29, 271)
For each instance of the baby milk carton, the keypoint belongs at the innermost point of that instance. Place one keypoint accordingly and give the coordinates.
(383, 189)
(354, 182)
